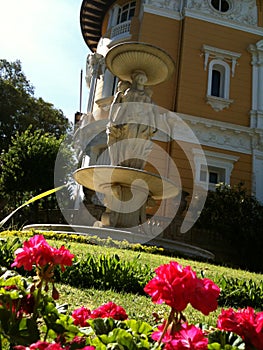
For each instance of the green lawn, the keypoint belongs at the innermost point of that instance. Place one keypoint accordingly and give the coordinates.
(137, 306)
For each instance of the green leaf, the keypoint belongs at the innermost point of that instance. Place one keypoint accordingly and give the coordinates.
(139, 327)
(214, 346)
(102, 325)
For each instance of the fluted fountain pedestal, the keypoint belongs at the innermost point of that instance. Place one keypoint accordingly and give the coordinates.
(127, 191)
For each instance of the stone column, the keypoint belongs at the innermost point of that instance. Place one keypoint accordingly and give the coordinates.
(257, 85)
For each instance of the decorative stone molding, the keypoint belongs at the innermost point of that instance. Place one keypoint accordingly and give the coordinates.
(221, 135)
(172, 5)
(166, 8)
(225, 55)
(218, 103)
(214, 160)
(244, 11)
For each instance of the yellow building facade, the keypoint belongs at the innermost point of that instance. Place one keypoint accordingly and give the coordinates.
(217, 85)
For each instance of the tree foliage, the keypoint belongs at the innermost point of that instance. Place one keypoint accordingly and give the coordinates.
(237, 217)
(19, 108)
(28, 165)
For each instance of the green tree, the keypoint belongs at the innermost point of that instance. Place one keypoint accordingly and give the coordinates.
(19, 108)
(237, 217)
(28, 169)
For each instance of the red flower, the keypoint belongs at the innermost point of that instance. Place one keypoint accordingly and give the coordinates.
(244, 322)
(181, 337)
(62, 257)
(110, 310)
(81, 315)
(168, 336)
(205, 296)
(189, 338)
(227, 321)
(36, 251)
(173, 285)
(259, 322)
(40, 345)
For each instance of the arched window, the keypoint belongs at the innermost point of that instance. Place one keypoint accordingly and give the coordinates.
(220, 63)
(218, 79)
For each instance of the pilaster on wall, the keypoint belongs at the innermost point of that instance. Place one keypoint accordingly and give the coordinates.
(256, 113)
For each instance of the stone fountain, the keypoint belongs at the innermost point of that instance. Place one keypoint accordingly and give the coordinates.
(132, 122)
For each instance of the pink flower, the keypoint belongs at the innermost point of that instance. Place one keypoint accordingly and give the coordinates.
(80, 316)
(189, 337)
(173, 285)
(259, 322)
(205, 296)
(181, 337)
(110, 310)
(27, 256)
(244, 322)
(62, 257)
(40, 345)
(227, 321)
(168, 336)
(36, 251)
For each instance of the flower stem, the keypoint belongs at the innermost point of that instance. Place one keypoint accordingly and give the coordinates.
(169, 321)
(37, 300)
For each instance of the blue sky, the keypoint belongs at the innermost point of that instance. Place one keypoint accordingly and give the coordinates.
(45, 36)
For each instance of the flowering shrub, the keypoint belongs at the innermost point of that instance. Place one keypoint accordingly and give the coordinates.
(31, 319)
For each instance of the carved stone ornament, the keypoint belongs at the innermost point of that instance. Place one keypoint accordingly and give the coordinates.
(221, 135)
(244, 11)
(173, 5)
(218, 103)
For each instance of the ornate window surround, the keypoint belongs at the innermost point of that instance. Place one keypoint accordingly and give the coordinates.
(223, 163)
(215, 56)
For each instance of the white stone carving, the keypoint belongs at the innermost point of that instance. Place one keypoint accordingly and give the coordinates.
(225, 55)
(218, 103)
(224, 136)
(244, 11)
(173, 5)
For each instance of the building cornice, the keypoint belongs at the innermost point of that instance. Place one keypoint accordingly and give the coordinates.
(162, 12)
(226, 23)
(179, 14)
(224, 136)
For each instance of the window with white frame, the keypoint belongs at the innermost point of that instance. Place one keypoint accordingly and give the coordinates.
(221, 66)
(126, 12)
(217, 169)
(120, 19)
(218, 79)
